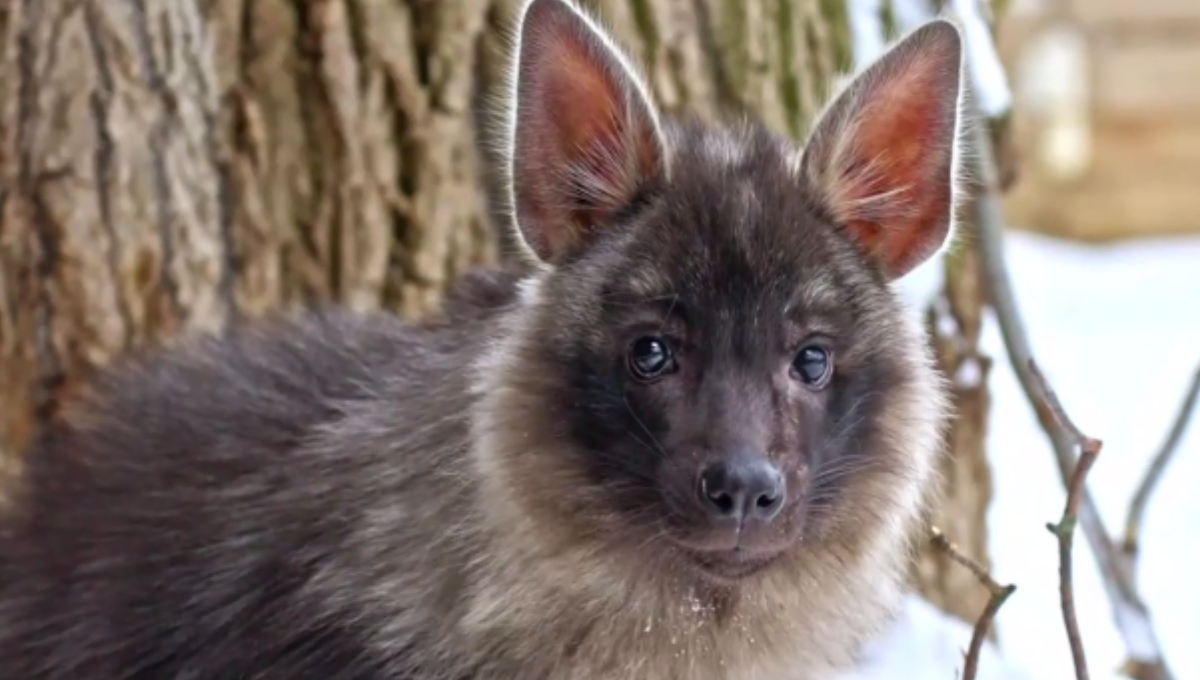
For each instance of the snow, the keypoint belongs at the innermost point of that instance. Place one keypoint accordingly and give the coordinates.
(925, 643)
(1117, 331)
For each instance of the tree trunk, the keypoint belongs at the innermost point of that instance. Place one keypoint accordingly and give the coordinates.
(171, 165)
(954, 322)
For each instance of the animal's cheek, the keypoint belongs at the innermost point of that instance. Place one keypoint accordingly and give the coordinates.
(798, 426)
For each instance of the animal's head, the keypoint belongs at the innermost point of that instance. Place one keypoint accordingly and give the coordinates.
(712, 365)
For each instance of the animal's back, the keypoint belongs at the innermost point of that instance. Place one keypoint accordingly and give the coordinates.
(173, 525)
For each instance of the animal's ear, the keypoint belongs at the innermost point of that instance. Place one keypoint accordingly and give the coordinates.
(584, 137)
(884, 156)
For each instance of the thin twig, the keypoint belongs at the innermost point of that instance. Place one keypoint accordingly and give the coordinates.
(1129, 611)
(1131, 543)
(1051, 401)
(943, 543)
(998, 595)
(1064, 530)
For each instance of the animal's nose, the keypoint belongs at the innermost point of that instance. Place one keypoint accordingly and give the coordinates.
(742, 487)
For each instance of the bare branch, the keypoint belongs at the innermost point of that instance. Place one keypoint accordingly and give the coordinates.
(1132, 618)
(1131, 542)
(1050, 401)
(999, 595)
(943, 543)
(1064, 530)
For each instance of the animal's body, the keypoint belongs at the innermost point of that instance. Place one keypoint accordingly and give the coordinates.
(692, 440)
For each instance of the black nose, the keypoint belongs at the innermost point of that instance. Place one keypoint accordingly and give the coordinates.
(741, 488)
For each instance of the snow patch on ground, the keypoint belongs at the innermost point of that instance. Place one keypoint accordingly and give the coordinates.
(925, 643)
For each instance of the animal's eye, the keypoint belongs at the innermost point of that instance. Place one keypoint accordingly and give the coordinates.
(813, 366)
(650, 358)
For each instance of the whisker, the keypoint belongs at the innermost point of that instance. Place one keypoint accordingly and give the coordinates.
(648, 480)
(658, 446)
(639, 440)
(621, 299)
(843, 468)
(667, 316)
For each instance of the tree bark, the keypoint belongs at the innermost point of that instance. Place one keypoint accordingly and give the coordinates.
(954, 321)
(169, 165)
(173, 165)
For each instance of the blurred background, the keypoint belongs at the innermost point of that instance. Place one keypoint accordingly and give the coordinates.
(172, 166)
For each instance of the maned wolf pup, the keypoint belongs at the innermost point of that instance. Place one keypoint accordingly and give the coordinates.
(692, 442)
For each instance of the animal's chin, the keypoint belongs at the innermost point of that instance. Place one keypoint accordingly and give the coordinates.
(730, 567)
(727, 555)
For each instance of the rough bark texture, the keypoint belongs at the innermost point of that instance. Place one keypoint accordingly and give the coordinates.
(170, 165)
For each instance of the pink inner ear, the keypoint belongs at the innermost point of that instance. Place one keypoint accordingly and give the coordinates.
(584, 137)
(593, 130)
(911, 142)
(884, 155)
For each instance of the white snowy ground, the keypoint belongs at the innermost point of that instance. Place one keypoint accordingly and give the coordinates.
(1117, 331)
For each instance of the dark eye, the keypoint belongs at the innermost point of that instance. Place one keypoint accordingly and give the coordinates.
(813, 365)
(650, 358)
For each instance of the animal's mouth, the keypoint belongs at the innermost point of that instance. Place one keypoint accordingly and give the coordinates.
(730, 566)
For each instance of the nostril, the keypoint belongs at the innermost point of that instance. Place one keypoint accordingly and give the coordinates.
(769, 493)
(767, 501)
(724, 502)
(713, 492)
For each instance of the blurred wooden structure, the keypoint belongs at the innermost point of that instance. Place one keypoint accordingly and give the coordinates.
(1107, 116)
